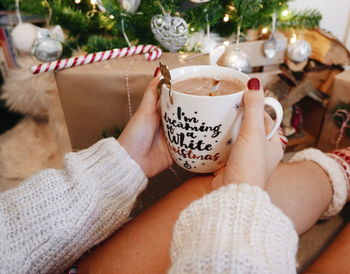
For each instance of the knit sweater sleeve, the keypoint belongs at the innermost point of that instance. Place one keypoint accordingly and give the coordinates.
(53, 217)
(235, 229)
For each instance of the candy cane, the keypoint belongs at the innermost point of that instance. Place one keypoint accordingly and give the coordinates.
(151, 53)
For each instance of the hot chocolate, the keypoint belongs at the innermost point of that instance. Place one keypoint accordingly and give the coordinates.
(205, 86)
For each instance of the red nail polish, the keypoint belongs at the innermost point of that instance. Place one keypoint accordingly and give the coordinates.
(254, 84)
(156, 72)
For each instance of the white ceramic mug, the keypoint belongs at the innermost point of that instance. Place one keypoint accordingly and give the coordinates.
(201, 129)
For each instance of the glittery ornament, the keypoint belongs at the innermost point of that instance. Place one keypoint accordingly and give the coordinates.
(170, 31)
(281, 40)
(276, 43)
(270, 45)
(130, 5)
(238, 59)
(45, 48)
(299, 51)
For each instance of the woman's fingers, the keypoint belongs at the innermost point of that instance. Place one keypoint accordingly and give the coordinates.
(253, 100)
(150, 97)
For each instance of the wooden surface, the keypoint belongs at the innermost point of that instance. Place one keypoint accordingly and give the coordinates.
(303, 141)
(325, 47)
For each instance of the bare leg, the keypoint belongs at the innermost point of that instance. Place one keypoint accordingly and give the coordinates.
(302, 190)
(142, 246)
(335, 259)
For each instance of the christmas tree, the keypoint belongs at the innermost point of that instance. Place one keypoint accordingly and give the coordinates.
(95, 25)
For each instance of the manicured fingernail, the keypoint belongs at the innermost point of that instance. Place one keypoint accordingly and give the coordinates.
(156, 72)
(254, 84)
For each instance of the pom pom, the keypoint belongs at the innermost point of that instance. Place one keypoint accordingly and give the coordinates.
(23, 36)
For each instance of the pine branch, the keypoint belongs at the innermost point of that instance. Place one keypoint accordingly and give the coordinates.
(303, 19)
(100, 31)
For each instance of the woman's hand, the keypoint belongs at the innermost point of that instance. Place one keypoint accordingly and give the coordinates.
(143, 136)
(253, 158)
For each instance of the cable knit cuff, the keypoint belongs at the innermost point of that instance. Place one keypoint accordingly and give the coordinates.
(336, 175)
(53, 217)
(234, 229)
(105, 161)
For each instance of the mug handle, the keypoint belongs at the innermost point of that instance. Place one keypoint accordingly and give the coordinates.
(272, 102)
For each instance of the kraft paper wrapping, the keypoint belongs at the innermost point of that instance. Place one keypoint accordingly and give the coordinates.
(340, 93)
(94, 97)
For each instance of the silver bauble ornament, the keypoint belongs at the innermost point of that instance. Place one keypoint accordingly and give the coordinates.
(281, 40)
(170, 31)
(270, 47)
(239, 60)
(130, 5)
(299, 51)
(45, 48)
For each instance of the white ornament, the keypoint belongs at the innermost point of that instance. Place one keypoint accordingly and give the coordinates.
(170, 31)
(215, 54)
(130, 5)
(281, 40)
(299, 51)
(199, 1)
(45, 48)
(208, 45)
(270, 47)
(57, 33)
(273, 44)
(23, 36)
(199, 41)
(277, 42)
(194, 41)
(239, 60)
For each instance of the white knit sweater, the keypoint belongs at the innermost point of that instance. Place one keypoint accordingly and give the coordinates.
(52, 218)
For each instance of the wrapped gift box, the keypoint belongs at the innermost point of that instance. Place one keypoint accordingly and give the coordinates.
(340, 94)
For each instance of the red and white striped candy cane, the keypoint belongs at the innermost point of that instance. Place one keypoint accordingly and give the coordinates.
(151, 53)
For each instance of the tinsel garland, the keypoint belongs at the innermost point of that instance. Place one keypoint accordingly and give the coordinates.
(99, 31)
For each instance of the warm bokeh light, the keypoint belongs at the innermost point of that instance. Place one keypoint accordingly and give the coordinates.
(285, 12)
(226, 18)
(293, 39)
